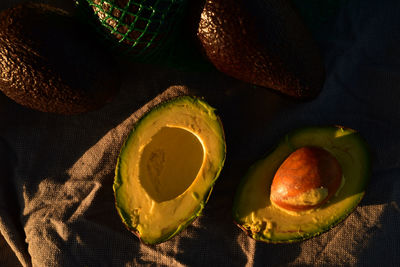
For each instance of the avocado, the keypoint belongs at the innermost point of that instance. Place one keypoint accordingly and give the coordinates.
(140, 28)
(264, 220)
(52, 63)
(264, 43)
(167, 168)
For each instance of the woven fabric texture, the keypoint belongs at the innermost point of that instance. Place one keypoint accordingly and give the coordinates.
(56, 172)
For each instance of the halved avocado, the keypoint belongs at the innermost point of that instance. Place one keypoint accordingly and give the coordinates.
(263, 221)
(167, 168)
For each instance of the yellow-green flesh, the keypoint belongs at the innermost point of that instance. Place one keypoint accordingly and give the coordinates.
(170, 163)
(263, 221)
(167, 168)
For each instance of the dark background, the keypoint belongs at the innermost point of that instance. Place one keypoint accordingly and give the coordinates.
(56, 206)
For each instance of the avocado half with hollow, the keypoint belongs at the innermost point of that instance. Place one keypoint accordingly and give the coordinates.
(310, 182)
(167, 168)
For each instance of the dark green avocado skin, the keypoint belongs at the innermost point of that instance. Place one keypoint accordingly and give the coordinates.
(51, 62)
(264, 43)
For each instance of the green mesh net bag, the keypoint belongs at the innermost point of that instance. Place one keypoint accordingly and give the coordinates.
(141, 29)
(151, 30)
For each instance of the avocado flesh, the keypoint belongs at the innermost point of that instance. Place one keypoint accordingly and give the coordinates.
(254, 212)
(167, 168)
(165, 171)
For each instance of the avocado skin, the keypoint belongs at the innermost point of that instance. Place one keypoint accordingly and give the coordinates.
(142, 30)
(264, 43)
(52, 63)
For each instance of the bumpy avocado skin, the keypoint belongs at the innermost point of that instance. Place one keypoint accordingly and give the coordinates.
(142, 30)
(52, 63)
(264, 43)
(318, 221)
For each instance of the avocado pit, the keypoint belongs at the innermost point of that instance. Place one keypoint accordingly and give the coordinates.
(263, 220)
(307, 179)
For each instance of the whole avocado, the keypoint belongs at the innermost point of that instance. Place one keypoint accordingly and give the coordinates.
(264, 43)
(52, 63)
(138, 28)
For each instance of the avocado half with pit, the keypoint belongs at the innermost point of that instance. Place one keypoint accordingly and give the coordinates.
(167, 168)
(310, 182)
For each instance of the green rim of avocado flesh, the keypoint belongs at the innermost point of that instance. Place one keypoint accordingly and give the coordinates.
(253, 211)
(167, 168)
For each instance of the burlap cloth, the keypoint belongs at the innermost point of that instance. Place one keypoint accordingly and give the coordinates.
(56, 172)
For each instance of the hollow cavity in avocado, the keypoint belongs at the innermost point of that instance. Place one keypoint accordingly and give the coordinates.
(167, 168)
